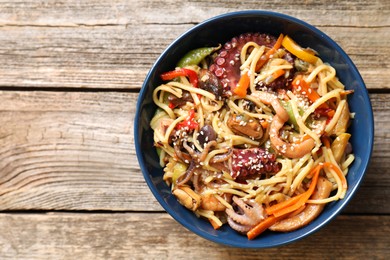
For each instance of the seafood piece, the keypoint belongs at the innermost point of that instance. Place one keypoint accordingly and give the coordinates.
(194, 158)
(244, 125)
(210, 202)
(324, 187)
(248, 213)
(187, 197)
(290, 150)
(186, 177)
(209, 82)
(227, 64)
(253, 161)
(178, 102)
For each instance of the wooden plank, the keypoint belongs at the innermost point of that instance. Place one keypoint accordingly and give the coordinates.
(75, 151)
(135, 235)
(113, 45)
(79, 149)
(118, 12)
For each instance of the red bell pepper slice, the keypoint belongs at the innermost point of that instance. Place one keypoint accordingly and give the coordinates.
(189, 123)
(191, 74)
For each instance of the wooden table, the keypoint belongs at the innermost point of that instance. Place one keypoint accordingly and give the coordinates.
(70, 184)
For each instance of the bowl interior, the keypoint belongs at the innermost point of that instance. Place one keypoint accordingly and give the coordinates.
(219, 30)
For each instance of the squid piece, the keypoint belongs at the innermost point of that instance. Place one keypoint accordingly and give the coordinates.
(311, 211)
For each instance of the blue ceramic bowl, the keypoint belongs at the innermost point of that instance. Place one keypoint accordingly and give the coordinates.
(219, 30)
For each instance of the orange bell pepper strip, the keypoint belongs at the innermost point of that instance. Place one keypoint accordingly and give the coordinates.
(298, 51)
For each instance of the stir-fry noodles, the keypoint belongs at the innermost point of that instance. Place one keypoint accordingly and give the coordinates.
(253, 133)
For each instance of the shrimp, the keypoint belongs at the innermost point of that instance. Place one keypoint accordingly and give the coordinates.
(324, 188)
(290, 150)
(210, 202)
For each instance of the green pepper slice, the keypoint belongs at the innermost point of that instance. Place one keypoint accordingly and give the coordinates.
(194, 57)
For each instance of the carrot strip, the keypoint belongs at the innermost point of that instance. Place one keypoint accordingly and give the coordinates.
(261, 227)
(271, 210)
(268, 54)
(305, 196)
(296, 202)
(294, 205)
(214, 224)
(278, 73)
(302, 86)
(331, 113)
(242, 85)
(294, 213)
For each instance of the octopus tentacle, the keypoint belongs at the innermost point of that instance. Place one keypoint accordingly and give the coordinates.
(257, 211)
(206, 150)
(238, 227)
(241, 219)
(222, 157)
(248, 210)
(248, 214)
(190, 150)
(227, 64)
(182, 156)
(187, 175)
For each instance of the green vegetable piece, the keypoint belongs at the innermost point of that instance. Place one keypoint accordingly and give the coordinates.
(194, 57)
(292, 120)
(178, 170)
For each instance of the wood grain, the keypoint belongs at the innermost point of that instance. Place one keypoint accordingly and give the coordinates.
(113, 45)
(157, 236)
(69, 76)
(75, 151)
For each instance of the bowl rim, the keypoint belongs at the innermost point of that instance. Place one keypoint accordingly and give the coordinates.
(237, 14)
